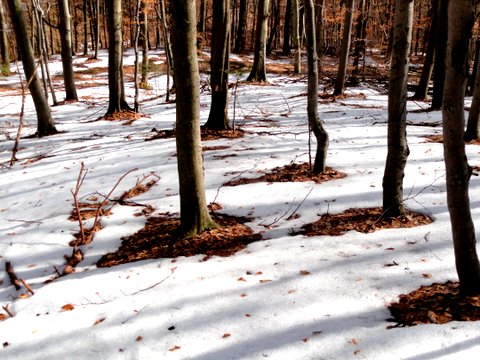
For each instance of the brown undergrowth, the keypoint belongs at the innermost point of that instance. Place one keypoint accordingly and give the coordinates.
(159, 239)
(206, 134)
(434, 304)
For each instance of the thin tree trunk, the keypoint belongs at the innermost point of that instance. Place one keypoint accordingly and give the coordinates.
(85, 27)
(421, 92)
(287, 27)
(473, 123)
(194, 215)
(218, 117)
(461, 19)
(45, 124)
(343, 61)
(297, 58)
(66, 43)
(440, 54)
(145, 45)
(397, 111)
(258, 72)
(312, 104)
(4, 45)
(116, 89)
(242, 28)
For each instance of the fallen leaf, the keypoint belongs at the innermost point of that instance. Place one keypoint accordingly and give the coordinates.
(226, 335)
(139, 338)
(292, 291)
(5, 344)
(305, 340)
(23, 296)
(98, 321)
(318, 332)
(175, 348)
(68, 307)
(258, 273)
(241, 279)
(265, 280)
(2, 317)
(305, 272)
(248, 315)
(353, 341)
(427, 276)
(243, 295)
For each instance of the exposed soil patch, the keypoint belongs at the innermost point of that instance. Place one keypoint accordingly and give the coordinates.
(364, 220)
(439, 139)
(158, 239)
(291, 173)
(434, 304)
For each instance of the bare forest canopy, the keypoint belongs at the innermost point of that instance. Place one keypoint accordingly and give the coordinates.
(373, 20)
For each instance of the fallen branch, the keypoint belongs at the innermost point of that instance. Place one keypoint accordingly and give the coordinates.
(27, 286)
(7, 311)
(11, 274)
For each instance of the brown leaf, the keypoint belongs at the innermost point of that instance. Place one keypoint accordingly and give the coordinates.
(139, 338)
(292, 291)
(226, 335)
(243, 295)
(5, 344)
(241, 279)
(2, 317)
(265, 281)
(354, 341)
(427, 276)
(68, 307)
(23, 296)
(175, 348)
(305, 272)
(98, 321)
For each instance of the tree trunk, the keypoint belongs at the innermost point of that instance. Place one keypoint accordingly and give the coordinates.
(242, 28)
(275, 17)
(66, 43)
(343, 61)
(116, 89)
(397, 111)
(85, 26)
(145, 46)
(203, 17)
(287, 27)
(440, 54)
(297, 59)
(218, 117)
(4, 45)
(421, 92)
(312, 104)
(258, 72)
(194, 215)
(319, 14)
(45, 124)
(461, 19)
(473, 123)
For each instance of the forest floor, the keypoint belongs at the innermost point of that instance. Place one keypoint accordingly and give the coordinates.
(303, 265)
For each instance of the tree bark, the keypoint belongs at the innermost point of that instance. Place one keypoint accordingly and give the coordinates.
(116, 89)
(346, 38)
(461, 19)
(194, 215)
(297, 57)
(4, 45)
(421, 92)
(258, 72)
(440, 54)
(312, 104)
(145, 45)
(397, 111)
(473, 123)
(219, 63)
(66, 44)
(242, 28)
(45, 124)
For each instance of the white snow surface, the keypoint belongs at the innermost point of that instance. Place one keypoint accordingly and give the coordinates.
(222, 308)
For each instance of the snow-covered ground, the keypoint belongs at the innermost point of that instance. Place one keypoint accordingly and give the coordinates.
(286, 297)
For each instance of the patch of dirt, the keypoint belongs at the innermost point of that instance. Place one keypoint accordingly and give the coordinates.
(434, 304)
(125, 115)
(291, 173)
(158, 239)
(206, 134)
(364, 220)
(439, 139)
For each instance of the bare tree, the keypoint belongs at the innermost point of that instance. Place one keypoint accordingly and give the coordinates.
(218, 117)
(397, 111)
(347, 35)
(460, 24)
(258, 72)
(194, 215)
(45, 124)
(312, 105)
(66, 44)
(4, 46)
(116, 88)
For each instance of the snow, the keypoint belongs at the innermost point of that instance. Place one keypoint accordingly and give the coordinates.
(286, 297)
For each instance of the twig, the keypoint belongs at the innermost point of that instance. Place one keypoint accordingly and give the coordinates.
(299, 205)
(290, 217)
(172, 270)
(11, 274)
(27, 286)
(7, 311)
(81, 177)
